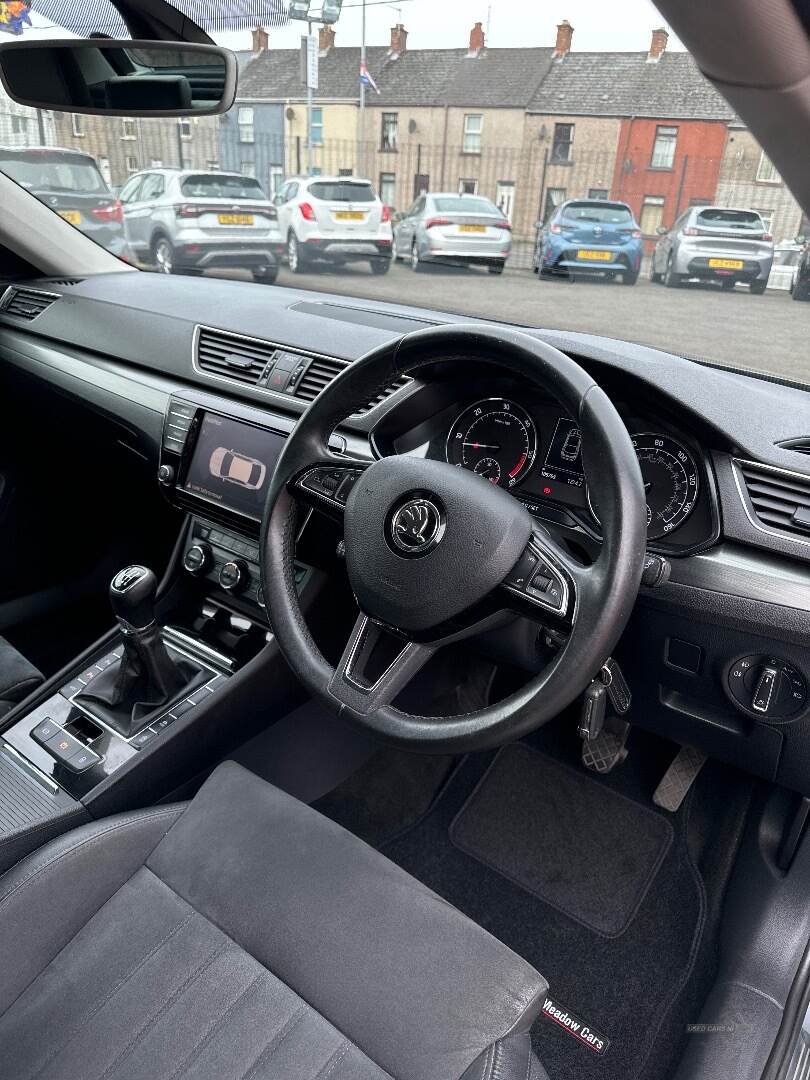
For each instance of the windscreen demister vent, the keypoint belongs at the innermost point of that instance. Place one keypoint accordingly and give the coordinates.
(780, 500)
(799, 446)
(229, 356)
(26, 303)
(65, 282)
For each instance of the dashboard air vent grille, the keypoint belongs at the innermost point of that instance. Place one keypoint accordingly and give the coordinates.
(317, 377)
(380, 398)
(64, 281)
(232, 357)
(26, 303)
(799, 446)
(780, 500)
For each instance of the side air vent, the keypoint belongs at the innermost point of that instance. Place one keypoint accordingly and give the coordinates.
(780, 500)
(26, 303)
(800, 446)
(230, 356)
(317, 377)
(400, 384)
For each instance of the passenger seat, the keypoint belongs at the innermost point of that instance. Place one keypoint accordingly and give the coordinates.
(18, 677)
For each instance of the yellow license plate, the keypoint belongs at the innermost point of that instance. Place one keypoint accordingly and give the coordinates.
(349, 215)
(726, 264)
(472, 228)
(595, 256)
(72, 217)
(235, 219)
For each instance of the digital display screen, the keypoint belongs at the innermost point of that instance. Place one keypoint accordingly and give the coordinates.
(564, 455)
(232, 464)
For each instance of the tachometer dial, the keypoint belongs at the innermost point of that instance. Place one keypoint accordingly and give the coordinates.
(495, 438)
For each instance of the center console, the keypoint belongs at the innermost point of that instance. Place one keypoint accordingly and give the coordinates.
(188, 670)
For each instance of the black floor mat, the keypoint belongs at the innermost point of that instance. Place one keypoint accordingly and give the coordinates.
(586, 850)
(638, 988)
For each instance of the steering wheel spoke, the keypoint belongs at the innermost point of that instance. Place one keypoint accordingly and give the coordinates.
(546, 582)
(325, 485)
(375, 666)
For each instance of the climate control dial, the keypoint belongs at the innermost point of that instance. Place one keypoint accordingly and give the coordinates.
(198, 559)
(234, 575)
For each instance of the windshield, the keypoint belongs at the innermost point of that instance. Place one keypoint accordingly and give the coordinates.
(474, 168)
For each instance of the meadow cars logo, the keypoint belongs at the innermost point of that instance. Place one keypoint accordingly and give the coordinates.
(14, 17)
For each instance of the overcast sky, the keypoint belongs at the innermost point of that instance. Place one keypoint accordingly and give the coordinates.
(434, 24)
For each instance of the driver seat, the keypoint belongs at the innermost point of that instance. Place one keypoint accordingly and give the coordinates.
(243, 936)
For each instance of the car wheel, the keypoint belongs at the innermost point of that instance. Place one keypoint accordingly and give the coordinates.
(295, 259)
(266, 277)
(496, 268)
(416, 263)
(163, 255)
(799, 292)
(381, 265)
(758, 287)
(630, 278)
(671, 279)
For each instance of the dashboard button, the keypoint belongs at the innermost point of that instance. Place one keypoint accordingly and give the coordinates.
(63, 746)
(45, 730)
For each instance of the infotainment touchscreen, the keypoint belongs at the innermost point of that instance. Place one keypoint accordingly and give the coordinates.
(232, 464)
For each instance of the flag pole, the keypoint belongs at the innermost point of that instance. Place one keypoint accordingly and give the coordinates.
(362, 125)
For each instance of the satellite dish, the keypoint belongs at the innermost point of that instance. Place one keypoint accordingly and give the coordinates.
(290, 113)
(411, 126)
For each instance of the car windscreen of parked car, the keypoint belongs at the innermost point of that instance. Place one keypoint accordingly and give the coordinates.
(464, 204)
(49, 173)
(730, 219)
(221, 187)
(329, 191)
(601, 215)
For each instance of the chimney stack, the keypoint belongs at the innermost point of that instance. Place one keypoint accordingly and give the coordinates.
(399, 39)
(326, 39)
(476, 39)
(260, 39)
(565, 34)
(659, 42)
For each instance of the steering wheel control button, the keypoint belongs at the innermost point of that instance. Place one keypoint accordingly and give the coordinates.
(234, 575)
(333, 483)
(767, 687)
(524, 571)
(416, 527)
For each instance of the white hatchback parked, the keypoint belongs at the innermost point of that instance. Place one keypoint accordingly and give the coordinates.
(337, 218)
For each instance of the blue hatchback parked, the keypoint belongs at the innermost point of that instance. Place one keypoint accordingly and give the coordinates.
(590, 237)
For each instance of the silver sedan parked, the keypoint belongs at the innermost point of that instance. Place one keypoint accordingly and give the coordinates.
(445, 227)
(715, 243)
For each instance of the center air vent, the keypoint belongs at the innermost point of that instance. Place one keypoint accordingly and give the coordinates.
(26, 303)
(780, 500)
(230, 356)
(317, 377)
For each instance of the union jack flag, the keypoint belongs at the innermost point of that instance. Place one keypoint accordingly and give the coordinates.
(365, 77)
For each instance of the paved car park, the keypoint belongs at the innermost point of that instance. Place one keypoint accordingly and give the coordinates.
(769, 333)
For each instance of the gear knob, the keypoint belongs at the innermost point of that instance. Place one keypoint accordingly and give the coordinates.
(132, 595)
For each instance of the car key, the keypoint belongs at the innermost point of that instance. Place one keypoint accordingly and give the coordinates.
(594, 705)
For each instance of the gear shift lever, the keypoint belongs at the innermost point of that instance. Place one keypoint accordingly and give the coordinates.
(146, 678)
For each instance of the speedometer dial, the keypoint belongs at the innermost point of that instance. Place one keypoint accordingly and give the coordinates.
(495, 438)
(670, 482)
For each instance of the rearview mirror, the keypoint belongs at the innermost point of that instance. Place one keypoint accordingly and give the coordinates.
(119, 78)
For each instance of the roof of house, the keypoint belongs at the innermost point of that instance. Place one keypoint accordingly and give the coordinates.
(495, 78)
(628, 84)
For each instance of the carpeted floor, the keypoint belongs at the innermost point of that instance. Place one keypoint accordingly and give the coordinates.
(613, 900)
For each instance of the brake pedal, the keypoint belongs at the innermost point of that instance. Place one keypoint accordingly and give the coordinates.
(678, 779)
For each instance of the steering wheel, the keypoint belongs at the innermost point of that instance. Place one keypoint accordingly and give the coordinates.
(435, 554)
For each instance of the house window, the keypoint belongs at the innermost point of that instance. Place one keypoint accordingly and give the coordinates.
(652, 214)
(555, 196)
(766, 171)
(388, 187)
(248, 168)
(473, 126)
(77, 125)
(245, 120)
(316, 127)
(276, 178)
(128, 129)
(597, 193)
(390, 130)
(212, 165)
(130, 163)
(421, 184)
(19, 125)
(663, 155)
(563, 141)
(184, 124)
(156, 163)
(345, 172)
(467, 186)
(104, 169)
(505, 197)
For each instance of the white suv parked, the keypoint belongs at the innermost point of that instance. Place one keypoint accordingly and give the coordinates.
(338, 218)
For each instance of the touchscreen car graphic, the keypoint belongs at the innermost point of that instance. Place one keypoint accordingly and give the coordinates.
(236, 468)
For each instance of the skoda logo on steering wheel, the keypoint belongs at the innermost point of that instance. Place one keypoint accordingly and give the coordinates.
(416, 527)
